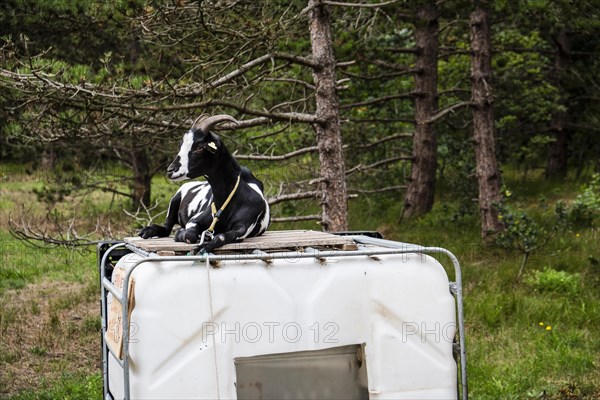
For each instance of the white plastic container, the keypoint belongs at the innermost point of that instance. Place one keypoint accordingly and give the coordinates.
(191, 324)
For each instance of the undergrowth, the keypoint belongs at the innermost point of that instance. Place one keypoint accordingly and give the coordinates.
(532, 338)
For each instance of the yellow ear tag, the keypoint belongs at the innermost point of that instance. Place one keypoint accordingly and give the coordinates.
(212, 145)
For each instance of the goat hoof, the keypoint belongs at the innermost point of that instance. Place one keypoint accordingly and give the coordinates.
(152, 231)
(145, 233)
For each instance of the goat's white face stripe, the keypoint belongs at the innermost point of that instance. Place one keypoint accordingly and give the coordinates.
(184, 152)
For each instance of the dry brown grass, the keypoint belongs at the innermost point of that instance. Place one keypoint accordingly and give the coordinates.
(47, 329)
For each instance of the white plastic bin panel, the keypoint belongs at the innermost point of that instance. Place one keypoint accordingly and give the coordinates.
(399, 306)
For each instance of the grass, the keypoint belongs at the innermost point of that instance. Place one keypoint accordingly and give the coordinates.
(49, 323)
(47, 329)
(68, 387)
(534, 338)
(530, 339)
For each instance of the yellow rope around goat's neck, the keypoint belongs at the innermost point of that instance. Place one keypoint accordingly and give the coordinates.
(217, 214)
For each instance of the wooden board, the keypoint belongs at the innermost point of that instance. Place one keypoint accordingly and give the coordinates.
(269, 241)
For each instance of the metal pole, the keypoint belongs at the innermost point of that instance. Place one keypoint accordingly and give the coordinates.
(103, 288)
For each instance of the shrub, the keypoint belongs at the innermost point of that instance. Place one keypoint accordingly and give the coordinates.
(586, 207)
(525, 234)
(551, 280)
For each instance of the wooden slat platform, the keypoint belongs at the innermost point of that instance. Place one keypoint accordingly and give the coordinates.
(269, 241)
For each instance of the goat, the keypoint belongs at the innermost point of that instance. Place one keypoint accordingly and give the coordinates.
(244, 211)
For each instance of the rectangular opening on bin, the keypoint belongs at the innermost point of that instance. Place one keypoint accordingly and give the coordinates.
(333, 373)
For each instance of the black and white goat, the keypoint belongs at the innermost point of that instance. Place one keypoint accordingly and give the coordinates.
(231, 189)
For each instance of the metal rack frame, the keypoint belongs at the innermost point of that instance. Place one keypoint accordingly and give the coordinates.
(109, 252)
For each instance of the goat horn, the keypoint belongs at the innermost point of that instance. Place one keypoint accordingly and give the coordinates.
(198, 120)
(205, 124)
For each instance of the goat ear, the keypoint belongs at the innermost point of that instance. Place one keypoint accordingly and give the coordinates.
(211, 142)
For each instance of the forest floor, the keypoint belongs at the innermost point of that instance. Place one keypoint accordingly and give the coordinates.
(528, 338)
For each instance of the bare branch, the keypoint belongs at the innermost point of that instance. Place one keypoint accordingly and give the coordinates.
(294, 196)
(450, 109)
(261, 60)
(454, 91)
(342, 64)
(381, 190)
(296, 219)
(108, 189)
(307, 62)
(361, 167)
(401, 50)
(378, 100)
(267, 134)
(36, 233)
(380, 76)
(290, 80)
(240, 71)
(386, 139)
(246, 123)
(286, 116)
(282, 157)
(361, 5)
(389, 65)
(146, 218)
(379, 120)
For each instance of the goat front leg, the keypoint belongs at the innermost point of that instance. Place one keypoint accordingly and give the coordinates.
(222, 239)
(187, 235)
(193, 229)
(154, 231)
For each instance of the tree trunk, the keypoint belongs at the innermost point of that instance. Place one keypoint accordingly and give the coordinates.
(421, 185)
(48, 160)
(142, 178)
(334, 198)
(556, 166)
(488, 174)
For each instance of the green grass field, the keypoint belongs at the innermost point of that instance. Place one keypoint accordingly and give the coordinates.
(533, 338)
